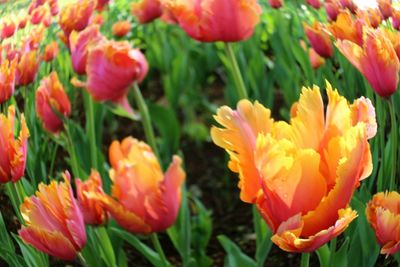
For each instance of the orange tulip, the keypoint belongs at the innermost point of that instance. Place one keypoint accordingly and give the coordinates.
(121, 28)
(27, 68)
(146, 10)
(79, 43)
(51, 96)
(315, 59)
(54, 222)
(12, 151)
(76, 16)
(144, 199)
(92, 210)
(279, 163)
(385, 6)
(213, 20)
(7, 79)
(345, 28)
(371, 17)
(376, 60)
(50, 51)
(394, 37)
(314, 3)
(383, 214)
(111, 68)
(319, 39)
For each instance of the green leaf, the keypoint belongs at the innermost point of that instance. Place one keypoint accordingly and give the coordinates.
(235, 257)
(340, 257)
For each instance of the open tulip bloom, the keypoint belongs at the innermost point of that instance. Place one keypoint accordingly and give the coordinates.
(302, 174)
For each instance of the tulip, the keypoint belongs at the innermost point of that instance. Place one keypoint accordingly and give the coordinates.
(383, 214)
(345, 28)
(212, 20)
(41, 14)
(350, 5)
(22, 22)
(79, 43)
(394, 37)
(51, 97)
(396, 19)
(323, 151)
(144, 199)
(371, 17)
(34, 38)
(385, 6)
(121, 28)
(12, 151)
(146, 10)
(101, 4)
(92, 210)
(76, 16)
(27, 68)
(54, 222)
(7, 79)
(8, 28)
(50, 51)
(332, 9)
(276, 3)
(319, 40)
(314, 3)
(315, 59)
(111, 68)
(376, 59)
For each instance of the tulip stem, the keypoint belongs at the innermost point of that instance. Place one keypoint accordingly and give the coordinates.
(13, 195)
(158, 247)
(393, 142)
(146, 119)
(332, 252)
(92, 133)
(305, 259)
(71, 151)
(82, 259)
(237, 76)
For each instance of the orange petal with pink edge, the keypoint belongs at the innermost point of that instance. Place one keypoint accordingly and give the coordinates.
(349, 170)
(288, 237)
(237, 136)
(52, 243)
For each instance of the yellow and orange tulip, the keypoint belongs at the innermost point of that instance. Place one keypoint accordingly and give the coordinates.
(54, 222)
(51, 97)
(345, 28)
(383, 214)
(144, 200)
(279, 163)
(50, 51)
(76, 16)
(146, 11)
(7, 79)
(121, 28)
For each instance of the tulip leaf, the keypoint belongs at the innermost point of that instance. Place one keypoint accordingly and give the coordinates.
(32, 257)
(235, 257)
(340, 256)
(263, 238)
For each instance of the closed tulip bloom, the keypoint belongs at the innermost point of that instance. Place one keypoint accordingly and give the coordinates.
(101, 4)
(314, 3)
(22, 22)
(50, 51)
(92, 210)
(323, 151)
(319, 39)
(121, 28)
(146, 11)
(315, 59)
(111, 69)
(144, 200)
(27, 68)
(8, 28)
(7, 79)
(385, 6)
(51, 97)
(79, 43)
(350, 5)
(54, 222)
(275, 3)
(376, 59)
(332, 9)
(212, 20)
(396, 19)
(371, 17)
(383, 214)
(76, 16)
(12, 151)
(41, 14)
(345, 28)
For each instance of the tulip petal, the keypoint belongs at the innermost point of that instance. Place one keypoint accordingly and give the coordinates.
(288, 238)
(238, 138)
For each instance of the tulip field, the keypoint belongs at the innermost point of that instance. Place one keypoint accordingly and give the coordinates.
(199, 133)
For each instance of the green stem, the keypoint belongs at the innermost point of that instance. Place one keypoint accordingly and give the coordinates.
(146, 119)
(237, 76)
(92, 133)
(305, 259)
(15, 201)
(71, 151)
(332, 250)
(393, 143)
(105, 245)
(157, 246)
(82, 259)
